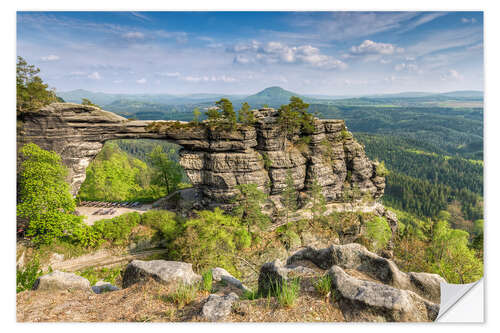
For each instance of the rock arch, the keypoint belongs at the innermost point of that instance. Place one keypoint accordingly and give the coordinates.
(215, 161)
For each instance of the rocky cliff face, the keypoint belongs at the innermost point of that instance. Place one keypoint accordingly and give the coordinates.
(215, 161)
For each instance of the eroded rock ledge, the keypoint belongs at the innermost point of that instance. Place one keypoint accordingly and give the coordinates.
(216, 161)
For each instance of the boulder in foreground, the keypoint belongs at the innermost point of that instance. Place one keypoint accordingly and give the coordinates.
(58, 280)
(218, 307)
(362, 300)
(161, 270)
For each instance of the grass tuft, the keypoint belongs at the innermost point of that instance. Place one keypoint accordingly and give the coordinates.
(183, 294)
(206, 282)
(287, 292)
(323, 285)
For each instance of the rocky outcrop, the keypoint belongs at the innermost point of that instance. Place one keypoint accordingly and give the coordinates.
(357, 257)
(168, 272)
(217, 307)
(362, 300)
(58, 280)
(367, 287)
(215, 160)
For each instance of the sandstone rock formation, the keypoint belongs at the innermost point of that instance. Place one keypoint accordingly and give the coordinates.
(362, 300)
(58, 280)
(356, 256)
(366, 286)
(163, 271)
(216, 161)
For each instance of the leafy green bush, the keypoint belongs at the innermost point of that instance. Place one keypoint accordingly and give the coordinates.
(167, 223)
(26, 276)
(381, 170)
(378, 232)
(117, 230)
(211, 240)
(44, 197)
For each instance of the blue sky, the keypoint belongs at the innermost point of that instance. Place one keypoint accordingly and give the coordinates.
(331, 53)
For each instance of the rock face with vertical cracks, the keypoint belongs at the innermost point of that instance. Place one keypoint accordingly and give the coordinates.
(215, 160)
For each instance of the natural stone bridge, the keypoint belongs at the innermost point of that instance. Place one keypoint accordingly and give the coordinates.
(215, 161)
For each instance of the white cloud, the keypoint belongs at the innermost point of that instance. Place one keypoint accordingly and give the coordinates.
(468, 20)
(51, 57)
(170, 74)
(94, 76)
(452, 75)
(385, 61)
(141, 81)
(277, 52)
(371, 47)
(408, 67)
(211, 78)
(134, 35)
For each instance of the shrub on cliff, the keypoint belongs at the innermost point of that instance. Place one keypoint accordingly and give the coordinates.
(378, 233)
(44, 198)
(211, 240)
(31, 92)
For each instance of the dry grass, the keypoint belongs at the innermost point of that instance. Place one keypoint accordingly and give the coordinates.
(145, 302)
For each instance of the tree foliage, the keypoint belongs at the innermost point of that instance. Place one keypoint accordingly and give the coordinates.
(31, 92)
(114, 176)
(245, 115)
(378, 232)
(248, 209)
(44, 197)
(294, 117)
(211, 240)
(166, 171)
(86, 101)
(317, 200)
(289, 196)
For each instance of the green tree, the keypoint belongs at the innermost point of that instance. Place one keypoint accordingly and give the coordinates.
(86, 101)
(31, 92)
(245, 115)
(196, 116)
(211, 240)
(451, 256)
(289, 196)
(294, 118)
(213, 115)
(248, 209)
(114, 176)
(378, 232)
(166, 171)
(227, 112)
(44, 199)
(318, 200)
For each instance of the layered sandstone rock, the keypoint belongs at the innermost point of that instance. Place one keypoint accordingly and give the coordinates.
(215, 160)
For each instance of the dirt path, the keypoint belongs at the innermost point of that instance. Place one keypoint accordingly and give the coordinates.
(102, 258)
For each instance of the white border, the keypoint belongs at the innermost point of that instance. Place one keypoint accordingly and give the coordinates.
(492, 114)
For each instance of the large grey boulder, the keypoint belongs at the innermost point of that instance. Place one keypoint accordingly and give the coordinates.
(361, 300)
(161, 270)
(103, 287)
(58, 280)
(220, 274)
(218, 307)
(356, 256)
